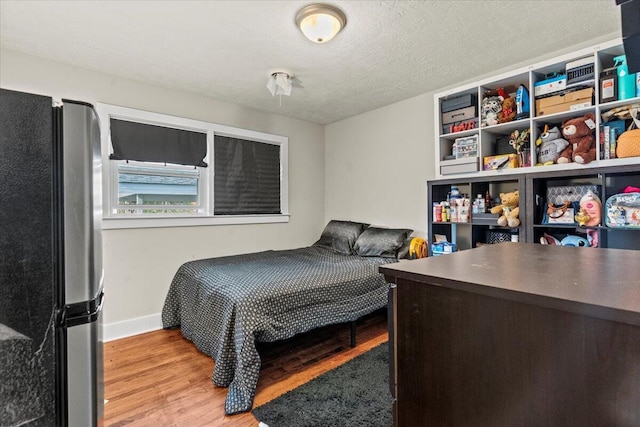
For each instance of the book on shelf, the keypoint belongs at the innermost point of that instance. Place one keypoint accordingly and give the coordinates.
(616, 128)
(607, 146)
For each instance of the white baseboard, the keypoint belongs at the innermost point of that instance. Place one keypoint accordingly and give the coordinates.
(127, 328)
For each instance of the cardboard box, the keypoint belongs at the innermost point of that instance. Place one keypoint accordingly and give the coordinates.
(443, 248)
(500, 161)
(568, 102)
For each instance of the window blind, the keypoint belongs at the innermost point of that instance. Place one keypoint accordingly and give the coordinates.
(150, 143)
(247, 177)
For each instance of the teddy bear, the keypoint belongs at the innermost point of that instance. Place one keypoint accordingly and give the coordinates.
(549, 145)
(491, 106)
(508, 209)
(508, 112)
(579, 132)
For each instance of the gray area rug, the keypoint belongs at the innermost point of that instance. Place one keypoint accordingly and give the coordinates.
(353, 394)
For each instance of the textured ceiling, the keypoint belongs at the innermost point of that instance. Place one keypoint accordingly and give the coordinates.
(389, 50)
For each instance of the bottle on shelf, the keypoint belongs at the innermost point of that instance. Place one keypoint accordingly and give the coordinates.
(480, 202)
(454, 206)
(487, 201)
(626, 81)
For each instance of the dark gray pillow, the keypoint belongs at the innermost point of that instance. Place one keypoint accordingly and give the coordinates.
(341, 236)
(381, 242)
(403, 252)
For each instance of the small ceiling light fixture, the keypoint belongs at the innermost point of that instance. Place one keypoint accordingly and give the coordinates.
(280, 82)
(320, 22)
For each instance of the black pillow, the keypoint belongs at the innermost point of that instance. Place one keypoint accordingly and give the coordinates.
(403, 252)
(381, 242)
(341, 236)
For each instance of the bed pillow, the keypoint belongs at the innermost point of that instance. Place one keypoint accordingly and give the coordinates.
(381, 242)
(403, 252)
(341, 236)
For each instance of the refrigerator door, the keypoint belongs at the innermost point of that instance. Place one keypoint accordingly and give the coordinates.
(27, 292)
(82, 210)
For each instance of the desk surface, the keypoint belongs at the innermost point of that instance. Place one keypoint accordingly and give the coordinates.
(603, 283)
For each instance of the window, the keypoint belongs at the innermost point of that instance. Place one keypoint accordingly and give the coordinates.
(163, 170)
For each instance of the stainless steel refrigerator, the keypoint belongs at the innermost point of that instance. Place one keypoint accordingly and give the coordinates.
(51, 288)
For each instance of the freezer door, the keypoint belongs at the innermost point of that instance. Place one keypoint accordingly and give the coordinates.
(82, 193)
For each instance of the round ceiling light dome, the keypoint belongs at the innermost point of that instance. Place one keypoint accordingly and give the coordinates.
(320, 22)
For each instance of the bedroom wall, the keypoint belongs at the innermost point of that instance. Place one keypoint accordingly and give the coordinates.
(377, 163)
(139, 263)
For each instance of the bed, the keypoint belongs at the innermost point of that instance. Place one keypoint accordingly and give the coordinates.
(225, 305)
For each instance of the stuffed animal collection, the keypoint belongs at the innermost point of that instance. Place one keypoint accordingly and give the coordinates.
(508, 209)
(579, 132)
(549, 145)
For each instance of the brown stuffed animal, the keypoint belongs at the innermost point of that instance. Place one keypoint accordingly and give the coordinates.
(508, 112)
(508, 209)
(582, 142)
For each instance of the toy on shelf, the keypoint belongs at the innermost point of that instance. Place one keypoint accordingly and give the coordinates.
(590, 210)
(550, 145)
(491, 106)
(522, 103)
(579, 132)
(508, 209)
(623, 210)
(508, 108)
(568, 240)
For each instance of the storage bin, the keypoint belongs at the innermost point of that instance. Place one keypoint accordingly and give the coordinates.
(458, 102)
(467, 113)
(464, 165)
(497, 236)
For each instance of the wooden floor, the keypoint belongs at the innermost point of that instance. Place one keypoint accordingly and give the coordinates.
(161, 379)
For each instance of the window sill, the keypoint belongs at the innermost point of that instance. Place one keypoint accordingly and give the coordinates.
(161, 222)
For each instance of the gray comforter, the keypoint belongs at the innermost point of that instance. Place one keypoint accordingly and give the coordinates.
(224, 305)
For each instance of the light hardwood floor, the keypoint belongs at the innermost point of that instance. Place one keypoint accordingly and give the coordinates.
(161, 379)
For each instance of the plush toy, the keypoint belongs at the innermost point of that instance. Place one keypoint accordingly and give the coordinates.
(508, 112)
(549, 145)
(508, 209)
(582, 142)
(590, 210)
(491, 106)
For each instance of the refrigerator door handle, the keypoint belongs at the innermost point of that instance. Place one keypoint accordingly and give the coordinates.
(83, 312)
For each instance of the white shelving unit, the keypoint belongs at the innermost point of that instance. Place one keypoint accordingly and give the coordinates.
(528, 76)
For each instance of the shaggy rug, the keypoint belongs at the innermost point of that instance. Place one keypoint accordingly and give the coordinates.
(353, 394)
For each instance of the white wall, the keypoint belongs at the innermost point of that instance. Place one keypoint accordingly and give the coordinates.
(140, 263)
(377, 164)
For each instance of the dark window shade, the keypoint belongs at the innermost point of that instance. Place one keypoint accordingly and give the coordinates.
(247, 177)
(149, 143)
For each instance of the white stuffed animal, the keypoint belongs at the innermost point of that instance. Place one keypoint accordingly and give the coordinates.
(491, 106)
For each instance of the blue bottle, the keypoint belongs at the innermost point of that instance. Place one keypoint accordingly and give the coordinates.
(626, 81)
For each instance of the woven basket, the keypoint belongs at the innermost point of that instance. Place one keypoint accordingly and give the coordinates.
(628, 144)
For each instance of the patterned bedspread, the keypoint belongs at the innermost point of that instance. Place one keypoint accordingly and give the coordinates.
(224, 305)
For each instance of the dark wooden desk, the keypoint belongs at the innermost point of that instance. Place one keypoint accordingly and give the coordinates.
(517, 334)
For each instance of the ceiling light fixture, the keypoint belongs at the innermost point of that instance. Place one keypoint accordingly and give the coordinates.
(280, 82)
(320, 22)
